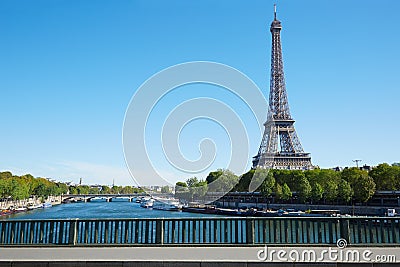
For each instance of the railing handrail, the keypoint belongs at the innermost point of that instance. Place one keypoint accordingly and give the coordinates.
(218, 217)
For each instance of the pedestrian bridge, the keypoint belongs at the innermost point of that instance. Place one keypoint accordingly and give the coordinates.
(109, 197)
(216, 239)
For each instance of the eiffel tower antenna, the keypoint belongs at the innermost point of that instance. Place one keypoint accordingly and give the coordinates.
(280, 147)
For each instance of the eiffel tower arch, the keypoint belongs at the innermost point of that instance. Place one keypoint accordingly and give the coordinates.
(280, 147)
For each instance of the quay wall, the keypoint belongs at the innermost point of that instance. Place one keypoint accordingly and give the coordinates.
(55, 200)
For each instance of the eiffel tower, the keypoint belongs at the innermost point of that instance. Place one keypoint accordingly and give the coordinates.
(280, 147)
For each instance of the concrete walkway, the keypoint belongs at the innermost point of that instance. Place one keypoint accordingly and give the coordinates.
(198, 256)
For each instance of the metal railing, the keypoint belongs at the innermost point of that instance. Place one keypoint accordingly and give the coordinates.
(236, 231)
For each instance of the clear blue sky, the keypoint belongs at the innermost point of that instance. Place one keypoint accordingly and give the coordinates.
(68, 70)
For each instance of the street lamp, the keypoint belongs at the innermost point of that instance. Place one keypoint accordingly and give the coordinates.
(356, 161)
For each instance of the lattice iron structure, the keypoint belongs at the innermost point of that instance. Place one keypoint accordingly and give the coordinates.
(280, 147)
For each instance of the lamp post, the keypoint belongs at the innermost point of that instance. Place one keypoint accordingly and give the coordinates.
(357, 161)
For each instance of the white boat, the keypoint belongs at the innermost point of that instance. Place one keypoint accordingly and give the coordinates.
(47, 205)
(147, 203)
(32, 206)
(20, 209)
(167, 204)
(141, 199)
(98, 199)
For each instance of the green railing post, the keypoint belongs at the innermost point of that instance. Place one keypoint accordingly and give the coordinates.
(250, 231)
(345, 229)
(160, 231)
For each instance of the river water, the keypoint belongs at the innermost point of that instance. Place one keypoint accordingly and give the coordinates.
(98, 210)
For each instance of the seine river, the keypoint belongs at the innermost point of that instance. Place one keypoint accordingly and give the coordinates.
(91, 210)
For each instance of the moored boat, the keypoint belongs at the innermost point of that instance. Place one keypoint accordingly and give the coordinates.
(203, 210)
(32, 206)
(47, 205)
(169, 204)
(6, 212)
(147, 203)
(20, 209)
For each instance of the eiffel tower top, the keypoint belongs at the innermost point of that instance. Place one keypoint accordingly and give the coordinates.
(276, 24)
(278, 102)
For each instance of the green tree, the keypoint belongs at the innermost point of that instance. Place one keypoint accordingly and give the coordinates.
(351, 175)
(83, 189)
(331, 190)
(105, 189)
(303, 188)
(268, 183)
(19, 190)
(316, 192)
(212, 176)
(30, 181)
(284, 176)
(197, 189)
(313, 176)
(286, 192)
(116, 189)
(345, 192)
(73, 190)
(5, 175)
(5, 188)
(261, 178)
(41, 190)
(386, 177)
(364, 188)
(362, 185)
(94, 190)
(53, 190)
(329, 180)
(181, 184)
(244, 181)
(138, 190)
(192, 181)
(223, 183)
(63, 188)
(278, 191)
(127, 190)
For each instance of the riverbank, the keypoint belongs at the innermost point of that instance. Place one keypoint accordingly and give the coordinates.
(17, 206)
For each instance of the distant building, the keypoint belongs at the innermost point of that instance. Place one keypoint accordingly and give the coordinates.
(363, 168)
(366, 168)
(337, 169)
